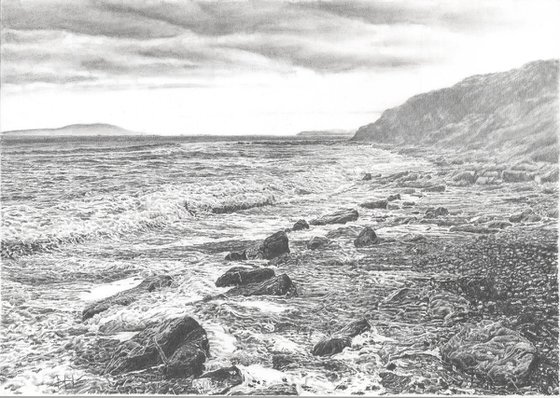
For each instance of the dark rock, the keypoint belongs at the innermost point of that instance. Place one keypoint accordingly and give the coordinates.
(492, 351)
(434, 188)
(367, 177)
(516, 176)
(408, 204)
(339, 217)
(390, 198)
(280, 285)
(301, 224)
(128, 296)
(366, 238)
(409, 191)
(436, 212)
(375, 204)
(394, 383)
(525, 216)
(276, 389)
(244, 275)
(180, 343)
(341, 339)
(235, 256)
(283, 361)
(275, 245)
(316, 242)
(220, 381)
(499, 224)
(447, 306)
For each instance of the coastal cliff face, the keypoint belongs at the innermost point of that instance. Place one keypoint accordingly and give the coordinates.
(514, 112)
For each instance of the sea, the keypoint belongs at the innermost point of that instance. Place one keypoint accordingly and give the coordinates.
(85, 218)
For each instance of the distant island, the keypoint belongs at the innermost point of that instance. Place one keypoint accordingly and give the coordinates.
(322, 133)
(94, 129)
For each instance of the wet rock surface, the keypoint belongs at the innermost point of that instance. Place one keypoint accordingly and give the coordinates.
(220, 381)
(280, 285)
(367, 237)
(299, 225)
(375, 204)
(128, 296)
(243, 276)
(341, 339)
(339, 217)
(316, 242)
(181, 344)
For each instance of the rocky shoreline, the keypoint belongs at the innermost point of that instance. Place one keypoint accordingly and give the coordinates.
(463, 299)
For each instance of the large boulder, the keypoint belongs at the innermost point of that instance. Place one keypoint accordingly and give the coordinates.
(339, 217)
(280, 285)
(128, 296)
(366, 238)
(341, 339)
(317, 242)
(181, 344)
(244, 275)
(299, 225)
(491, 351)
(375, 204)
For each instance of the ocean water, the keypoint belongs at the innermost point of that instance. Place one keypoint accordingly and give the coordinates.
(83, 219)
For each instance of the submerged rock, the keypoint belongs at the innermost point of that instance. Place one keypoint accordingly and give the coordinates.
(394, 383)
(366, 238)
(181, 344)
(468, 177)
(551, 176)
(280, 285)
(341, 339)
(339, 217)
(367, 177)
(220, 381)
(397, 196)
(491, 351)
(316, 242)
(375, 204)
(433, 212)
(499, 224)
(434, 188)
(236, 256)
(525, 216)
(244, 275)
(516, 176)
(299, 225)
(128, 296)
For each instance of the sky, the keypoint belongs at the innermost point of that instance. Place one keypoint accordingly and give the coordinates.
(251, 67)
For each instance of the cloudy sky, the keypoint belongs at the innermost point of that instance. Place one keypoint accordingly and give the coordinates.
(251, 67)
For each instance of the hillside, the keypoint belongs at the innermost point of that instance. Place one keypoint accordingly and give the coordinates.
(75, 130)
(513, 112)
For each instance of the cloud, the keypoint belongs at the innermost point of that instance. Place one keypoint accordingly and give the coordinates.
(119, 42)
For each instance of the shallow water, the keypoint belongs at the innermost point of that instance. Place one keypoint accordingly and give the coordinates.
(82, 220)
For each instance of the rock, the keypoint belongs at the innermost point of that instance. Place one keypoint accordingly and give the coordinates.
(390, 198)
(468, 177)
(341, 339)
(553, 213)
(408, 203)
(525, 216)
(492, 351)
(276, 389)
(375, 204)
(366, 238)
(393, 206)
(244, 275)
(516, 176)
(408, 191)
(487, 180)
(434, 188)
(219, 382)
(275, 245)
(180, 343)
(447, 305)
(339, 217)
(551, 176)
(499, 224)
(433, 212)
(316, 242)
(128, 296)
(394, 383)
(236, 256)
(414, 238)
(367, 177)
(301, 224)
(474, 229)
(280, 285)
(283, 361)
